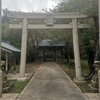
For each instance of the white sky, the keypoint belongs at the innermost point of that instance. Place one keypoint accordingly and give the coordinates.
(28, 5)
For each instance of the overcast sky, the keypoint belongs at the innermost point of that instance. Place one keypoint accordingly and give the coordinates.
(28, 5)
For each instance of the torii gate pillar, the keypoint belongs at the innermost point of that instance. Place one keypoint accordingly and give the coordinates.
(23, 51)
(78, 77)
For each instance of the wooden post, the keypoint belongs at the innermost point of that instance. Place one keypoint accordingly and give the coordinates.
(6, 69)
(44, 56)
(14, 63)
(56, 55)
(63, 54)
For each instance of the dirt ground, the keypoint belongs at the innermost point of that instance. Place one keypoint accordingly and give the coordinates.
(30, 68)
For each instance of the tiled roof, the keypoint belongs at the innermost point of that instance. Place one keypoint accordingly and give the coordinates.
(48, 42)
(9, 47)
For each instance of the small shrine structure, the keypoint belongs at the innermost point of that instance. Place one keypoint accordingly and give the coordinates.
(50, 50)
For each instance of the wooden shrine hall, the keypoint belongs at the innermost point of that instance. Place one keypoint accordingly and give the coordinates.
(50, 50)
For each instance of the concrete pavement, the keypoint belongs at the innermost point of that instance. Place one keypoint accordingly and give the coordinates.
(11, 96)
(51, 83)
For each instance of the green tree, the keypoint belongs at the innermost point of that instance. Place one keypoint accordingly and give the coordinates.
(89, 38)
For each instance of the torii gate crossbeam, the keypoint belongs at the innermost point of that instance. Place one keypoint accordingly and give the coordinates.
(49, 17)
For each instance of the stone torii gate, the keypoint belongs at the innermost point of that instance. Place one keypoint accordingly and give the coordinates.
(49, 17)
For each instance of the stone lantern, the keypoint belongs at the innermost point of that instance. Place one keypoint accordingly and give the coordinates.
(94, 81)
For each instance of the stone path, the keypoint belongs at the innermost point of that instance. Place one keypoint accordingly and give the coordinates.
(92, 96)
(51, 83)
(9, 96)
